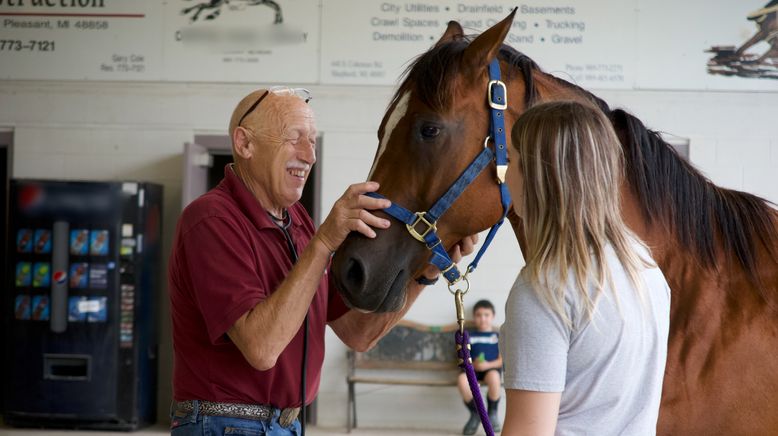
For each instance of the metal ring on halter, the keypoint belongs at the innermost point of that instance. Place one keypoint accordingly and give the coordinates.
(464, 280)
(486, 141)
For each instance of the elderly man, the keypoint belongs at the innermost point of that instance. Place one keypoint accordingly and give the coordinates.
(248, 313)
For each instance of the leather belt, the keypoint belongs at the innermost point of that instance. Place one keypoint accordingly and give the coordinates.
(258, 412)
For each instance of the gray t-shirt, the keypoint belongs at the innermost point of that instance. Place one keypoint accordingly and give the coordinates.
(609, 370)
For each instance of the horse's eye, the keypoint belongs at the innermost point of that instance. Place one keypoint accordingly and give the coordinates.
(429, 131)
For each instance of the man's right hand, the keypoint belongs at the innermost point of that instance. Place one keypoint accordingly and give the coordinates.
(351, 214)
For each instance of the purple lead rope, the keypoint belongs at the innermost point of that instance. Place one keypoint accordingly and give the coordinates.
(463, 351)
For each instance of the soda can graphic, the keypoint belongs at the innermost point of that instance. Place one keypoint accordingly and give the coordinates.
(41, 307)
(75, 313)
(97, 311)
(79, 272)
(98, 243)
(79, 242)
(98, 276)
(42, 241)
(23, 274)
(24, 241)
(41, 275)
(22, 307)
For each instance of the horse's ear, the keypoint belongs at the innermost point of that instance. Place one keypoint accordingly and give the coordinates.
(453, 31)
(485, 47)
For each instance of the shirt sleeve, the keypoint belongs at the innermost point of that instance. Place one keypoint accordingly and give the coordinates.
(534, 343)
(223, 272)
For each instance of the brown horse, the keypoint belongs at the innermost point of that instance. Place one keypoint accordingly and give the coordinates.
(717, 247)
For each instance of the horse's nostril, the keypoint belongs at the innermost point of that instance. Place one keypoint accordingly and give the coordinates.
(355, 274)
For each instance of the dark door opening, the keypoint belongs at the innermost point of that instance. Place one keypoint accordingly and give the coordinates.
(5, 179)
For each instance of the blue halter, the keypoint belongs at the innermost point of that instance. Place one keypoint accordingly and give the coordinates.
(498, 102)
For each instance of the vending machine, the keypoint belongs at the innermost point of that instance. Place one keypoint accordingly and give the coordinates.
(83, 262)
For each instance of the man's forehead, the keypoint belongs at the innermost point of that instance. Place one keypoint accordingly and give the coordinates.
(296, 109)
(284, 110)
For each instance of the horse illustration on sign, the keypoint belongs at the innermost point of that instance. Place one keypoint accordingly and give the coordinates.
(215, 6)
(729, 61)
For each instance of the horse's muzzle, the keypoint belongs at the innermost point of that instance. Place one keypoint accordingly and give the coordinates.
(372, 274)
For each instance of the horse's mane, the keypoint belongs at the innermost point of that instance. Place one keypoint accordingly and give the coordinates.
(670, 191)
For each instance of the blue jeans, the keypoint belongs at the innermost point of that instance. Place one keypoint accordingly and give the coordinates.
(194, 424)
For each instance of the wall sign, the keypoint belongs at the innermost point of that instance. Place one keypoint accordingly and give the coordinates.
(242, 41)
(572, 38)
(597, 44)
(80, 39)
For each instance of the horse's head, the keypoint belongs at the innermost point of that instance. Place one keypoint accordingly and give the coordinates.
(435, 126)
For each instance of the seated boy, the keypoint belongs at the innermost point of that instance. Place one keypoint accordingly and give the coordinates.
(487, 364)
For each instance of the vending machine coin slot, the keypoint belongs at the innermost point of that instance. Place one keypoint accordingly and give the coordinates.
(66, 367)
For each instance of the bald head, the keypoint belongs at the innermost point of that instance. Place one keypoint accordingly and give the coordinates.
(269, 120)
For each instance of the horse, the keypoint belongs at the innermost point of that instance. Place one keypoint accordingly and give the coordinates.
(718, 248)
(216, 6)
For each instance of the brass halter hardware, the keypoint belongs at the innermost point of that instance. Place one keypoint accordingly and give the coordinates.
(420, 219)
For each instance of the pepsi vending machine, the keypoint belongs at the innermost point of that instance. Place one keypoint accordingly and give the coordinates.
(81, 320)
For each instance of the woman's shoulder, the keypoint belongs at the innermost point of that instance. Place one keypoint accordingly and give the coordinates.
(525, 284)
(651, 274)
(530, 295)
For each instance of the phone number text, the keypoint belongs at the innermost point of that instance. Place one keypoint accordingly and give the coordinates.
(30, 45)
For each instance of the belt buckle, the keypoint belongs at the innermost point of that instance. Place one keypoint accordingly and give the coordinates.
(288, 416)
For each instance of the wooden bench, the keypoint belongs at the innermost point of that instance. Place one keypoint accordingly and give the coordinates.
(410, 354)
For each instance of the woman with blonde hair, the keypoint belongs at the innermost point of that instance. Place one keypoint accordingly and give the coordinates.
(585, 337)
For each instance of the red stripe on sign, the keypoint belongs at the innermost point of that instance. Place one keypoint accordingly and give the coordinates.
(52, 14)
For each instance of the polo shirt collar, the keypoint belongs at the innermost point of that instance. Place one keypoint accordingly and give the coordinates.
(250, 205)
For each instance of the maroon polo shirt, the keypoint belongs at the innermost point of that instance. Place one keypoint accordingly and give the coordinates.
(228, 256)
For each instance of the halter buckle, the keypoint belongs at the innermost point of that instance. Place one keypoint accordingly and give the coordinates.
(493, 104)
(420, 219)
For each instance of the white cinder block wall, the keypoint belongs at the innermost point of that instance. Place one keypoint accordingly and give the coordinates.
(113, 131)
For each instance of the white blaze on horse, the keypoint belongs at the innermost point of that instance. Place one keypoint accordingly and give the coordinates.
(718, 248)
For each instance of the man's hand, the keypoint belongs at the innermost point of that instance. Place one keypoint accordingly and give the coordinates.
(350, 214)
(457, 252)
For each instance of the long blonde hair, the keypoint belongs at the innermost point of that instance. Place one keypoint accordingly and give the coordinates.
(573, 167)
